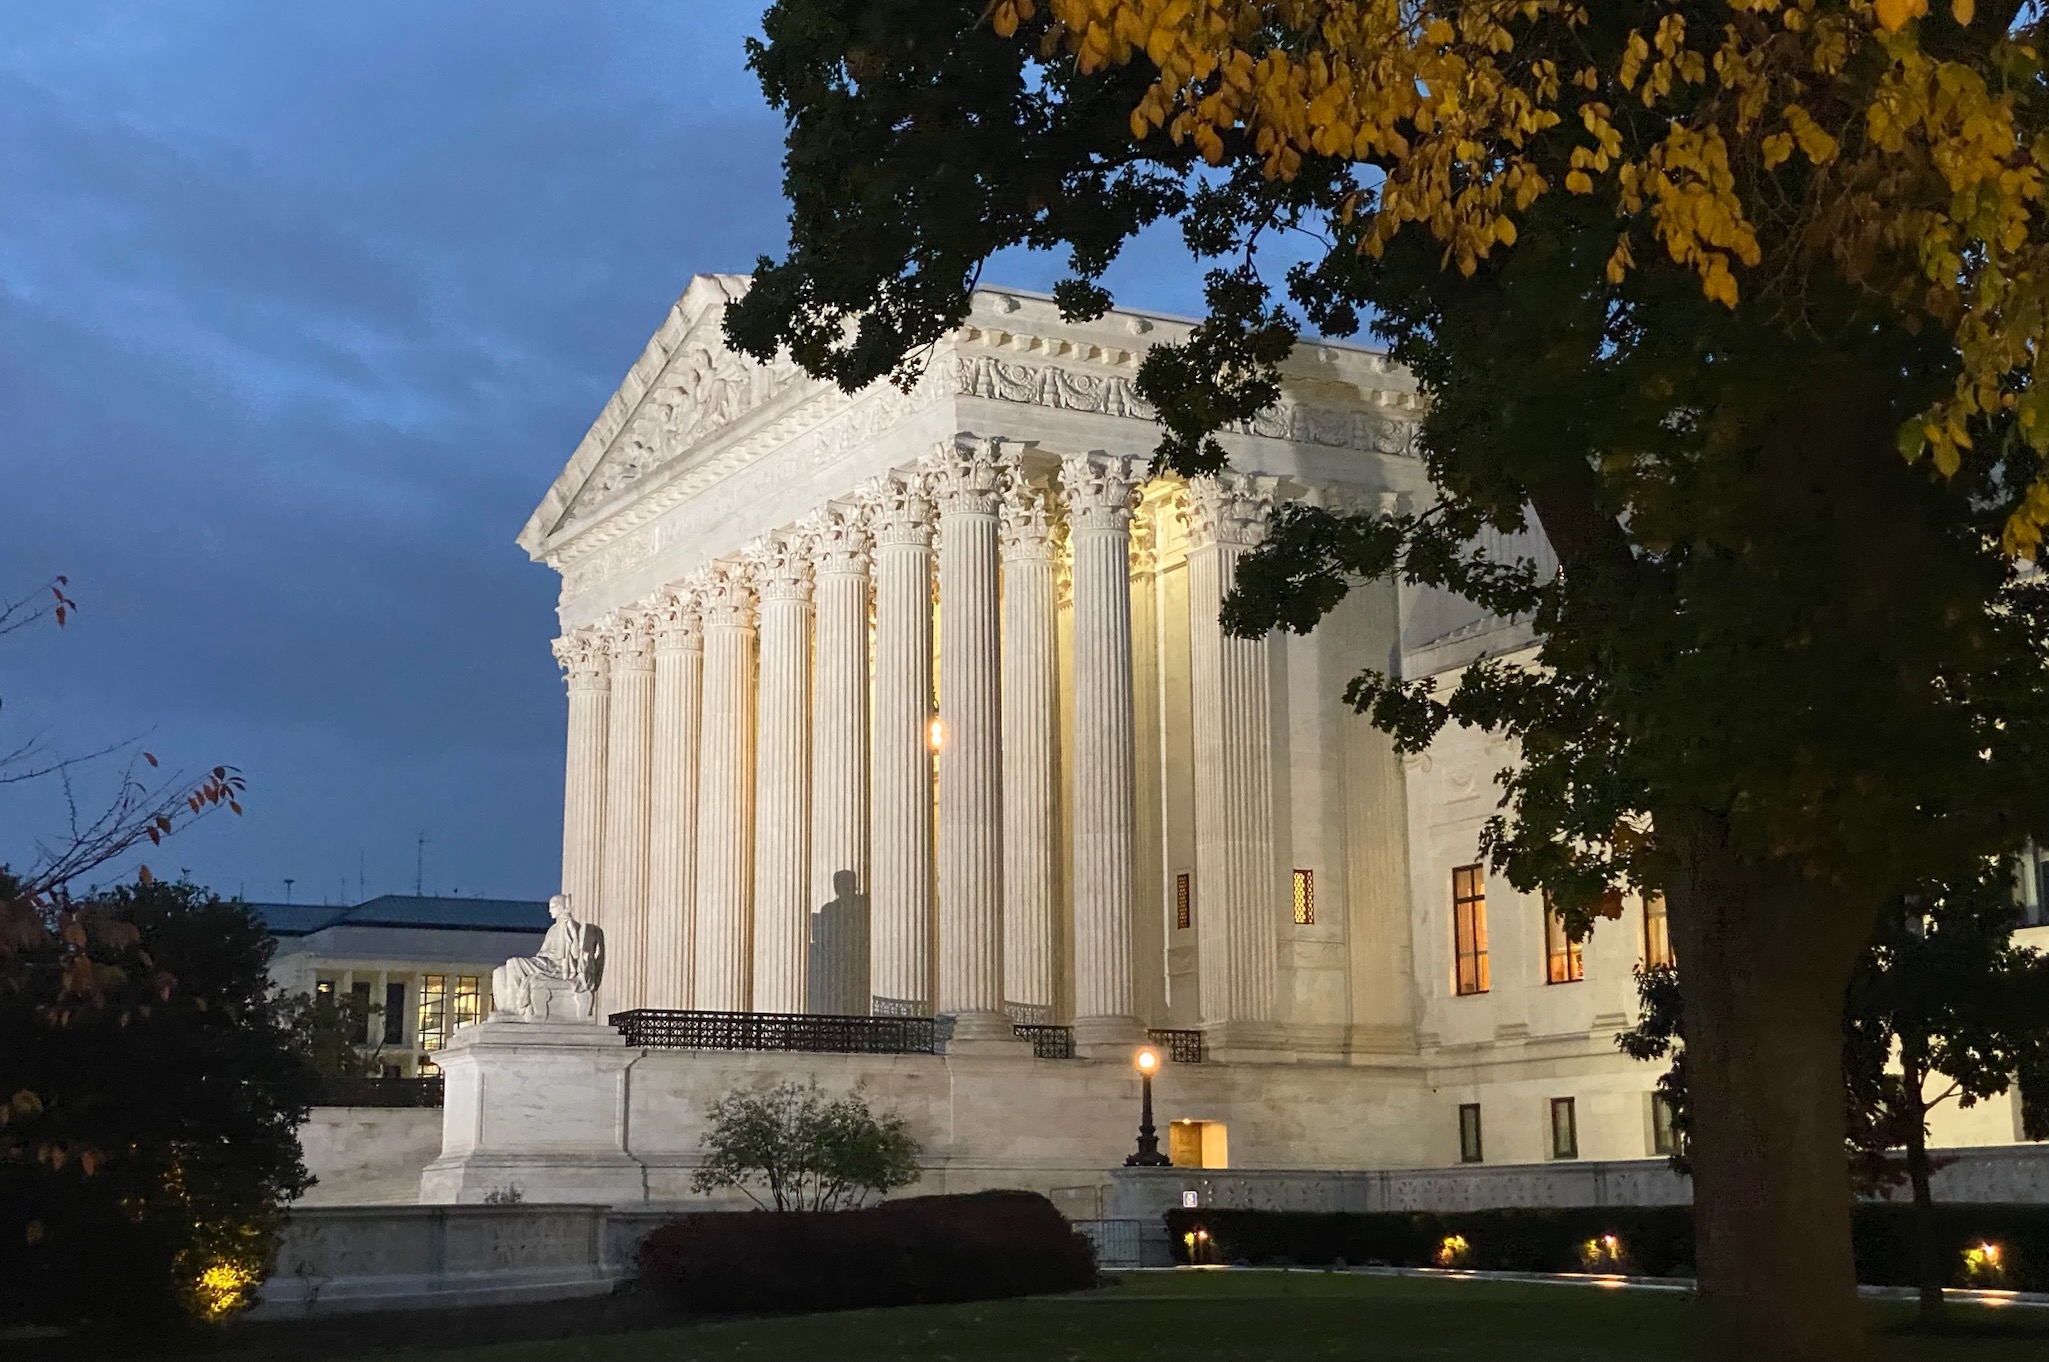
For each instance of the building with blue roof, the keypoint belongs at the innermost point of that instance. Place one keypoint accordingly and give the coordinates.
(423, 962)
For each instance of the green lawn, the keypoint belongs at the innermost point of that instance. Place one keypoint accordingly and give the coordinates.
(1256, 1315)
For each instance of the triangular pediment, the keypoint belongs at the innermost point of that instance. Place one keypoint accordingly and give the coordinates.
(685, 389)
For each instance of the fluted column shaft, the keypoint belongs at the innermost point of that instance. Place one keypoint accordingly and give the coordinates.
(628, 759)
(1100, 492)
(900, 931)
(839, 767)
(782, 781)
(1237, 917)
(725, 797)
(587, 670)
(1031, 747)
(672, 804)
(971, 753)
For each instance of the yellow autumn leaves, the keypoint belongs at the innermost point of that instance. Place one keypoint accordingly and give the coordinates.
(1905, 171)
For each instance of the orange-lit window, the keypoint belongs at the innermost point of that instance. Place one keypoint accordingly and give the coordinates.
(1305, 898)
(1563, 962)
(1657, 933)
(1469, 927)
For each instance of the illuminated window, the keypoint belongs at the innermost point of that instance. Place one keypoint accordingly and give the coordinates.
(1469, 1149)
(1469, 927)
(1665, 1137)
(1657, 933)
(433, 1027)
(1184, 902)
(1305, 898)
(1564, 1129)
(469, 1001)
(1198, 1144)
(395, 1014)
(323, 989)
(1563, 962)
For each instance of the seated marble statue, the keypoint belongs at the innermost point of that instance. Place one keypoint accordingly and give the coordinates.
(559, 983)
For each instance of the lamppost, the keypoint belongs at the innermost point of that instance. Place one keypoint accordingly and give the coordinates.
(1148, 1155)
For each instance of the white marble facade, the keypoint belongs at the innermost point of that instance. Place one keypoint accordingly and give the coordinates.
(776, 596)
(915, 702)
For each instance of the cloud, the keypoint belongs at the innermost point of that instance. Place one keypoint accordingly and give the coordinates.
(298, 318)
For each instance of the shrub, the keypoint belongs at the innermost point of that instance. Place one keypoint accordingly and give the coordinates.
(806, 1153)
(1652, 1241)
(920, 1250)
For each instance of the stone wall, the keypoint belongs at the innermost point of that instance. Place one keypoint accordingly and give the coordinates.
(368, 1156)
(1970, 1175)
(345, 1258)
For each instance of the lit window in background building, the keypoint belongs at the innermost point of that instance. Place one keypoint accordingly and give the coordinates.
(1564, 959)
(469, 1001)
(433, 1027)
(1469, 927)
(1657, 933)
(1305, 898)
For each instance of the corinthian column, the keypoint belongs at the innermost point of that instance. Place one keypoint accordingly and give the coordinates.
(1101, 490)
(782, 776)
(1236, 914)
(672, 802)
(587, 668)
(900, 930)
(971, 754)
(839, 765)
(627, 762)
(1031, 790)
(725, 795)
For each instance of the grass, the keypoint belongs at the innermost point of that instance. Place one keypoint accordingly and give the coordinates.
(1158, 1317)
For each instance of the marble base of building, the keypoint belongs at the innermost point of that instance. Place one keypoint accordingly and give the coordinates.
(557, 1113)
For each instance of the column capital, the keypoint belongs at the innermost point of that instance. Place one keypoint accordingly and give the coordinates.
(1144, 543)
(967, 475)
(1229, 508)
(633, 642)
(840, 539)
(585, 656)
(727, 596)
(781, 566)
(1027, 524)
(678, 625)
(900, 510)
(1101, 490)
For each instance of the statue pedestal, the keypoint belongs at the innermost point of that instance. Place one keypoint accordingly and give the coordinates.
(535, 1112)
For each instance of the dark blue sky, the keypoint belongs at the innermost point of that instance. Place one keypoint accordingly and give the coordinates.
(301, 310)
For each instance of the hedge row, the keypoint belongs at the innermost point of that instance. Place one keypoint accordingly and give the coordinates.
(1654, 1241)
(919, 1250)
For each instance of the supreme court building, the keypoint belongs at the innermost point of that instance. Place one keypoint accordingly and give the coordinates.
(915, 704)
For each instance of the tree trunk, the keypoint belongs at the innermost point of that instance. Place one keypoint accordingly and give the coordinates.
(1764, 962)
(1927, 1252)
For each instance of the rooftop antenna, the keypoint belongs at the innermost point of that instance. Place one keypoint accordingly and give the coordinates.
(420, 866)
(288, 889)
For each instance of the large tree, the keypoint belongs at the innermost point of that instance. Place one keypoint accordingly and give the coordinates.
(1738, 301)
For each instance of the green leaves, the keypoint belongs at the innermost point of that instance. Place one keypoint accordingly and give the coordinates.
(803, 1151)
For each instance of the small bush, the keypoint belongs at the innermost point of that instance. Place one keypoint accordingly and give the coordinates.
(1654, 1241)
(920, 1250)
